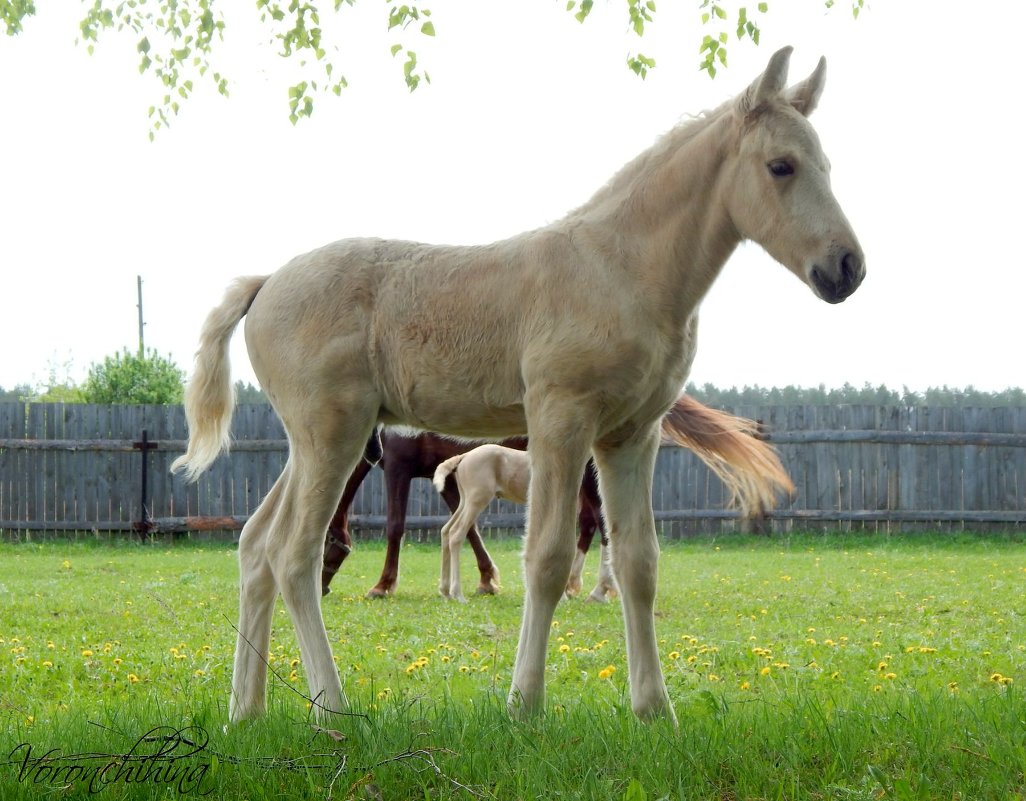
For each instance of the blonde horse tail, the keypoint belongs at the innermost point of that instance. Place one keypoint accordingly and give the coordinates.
(445, 469)
(210, 395)
(731, 448)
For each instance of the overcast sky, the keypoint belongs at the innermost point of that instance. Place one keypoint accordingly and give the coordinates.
(527, 115)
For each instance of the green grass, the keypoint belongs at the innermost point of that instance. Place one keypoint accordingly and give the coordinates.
(808, 667)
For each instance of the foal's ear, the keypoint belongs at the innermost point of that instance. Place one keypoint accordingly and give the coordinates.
(768, 85)
(804, 96)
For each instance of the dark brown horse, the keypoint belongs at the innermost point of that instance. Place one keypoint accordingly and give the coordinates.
(406, 456)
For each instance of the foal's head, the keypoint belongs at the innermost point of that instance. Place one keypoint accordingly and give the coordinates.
(779, 195)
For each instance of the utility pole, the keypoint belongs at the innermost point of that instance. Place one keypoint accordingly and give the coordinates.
(142, 349)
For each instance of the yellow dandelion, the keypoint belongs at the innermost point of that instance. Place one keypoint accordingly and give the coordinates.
(713, 677)
(765, 671)
(953, 686)
(890, 675)
(877, 688)
(564, 648)
(881, 666)
(835, 675)
(293, 676)
(464, 669)
(383, 694)
(674, 654)
(410, 668)
(49, 644)
(66, 564)
(745, 685)
(605, 673)
(446, 658)
(133, 678)
(117, 660)
(47, 663)
(996, 677)
(810, 641)
(294, 662)
(199, 673)
(87, 653)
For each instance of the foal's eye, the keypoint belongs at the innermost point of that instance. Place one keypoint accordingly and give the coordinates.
(780, 168)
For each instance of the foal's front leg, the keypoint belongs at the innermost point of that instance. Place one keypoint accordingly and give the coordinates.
(559, 449)
(625, 474)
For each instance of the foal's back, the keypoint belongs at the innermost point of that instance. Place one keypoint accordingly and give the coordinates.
(494, 471)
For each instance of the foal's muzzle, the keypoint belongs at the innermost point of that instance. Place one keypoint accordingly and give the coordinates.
(834, 285)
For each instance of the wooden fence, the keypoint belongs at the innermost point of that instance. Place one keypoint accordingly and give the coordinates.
(79, 467)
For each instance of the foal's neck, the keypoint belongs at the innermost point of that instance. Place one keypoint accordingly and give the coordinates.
(664, 215)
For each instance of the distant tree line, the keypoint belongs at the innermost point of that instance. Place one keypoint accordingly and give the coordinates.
(850, 394)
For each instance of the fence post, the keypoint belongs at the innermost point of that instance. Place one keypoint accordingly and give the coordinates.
(145, 523)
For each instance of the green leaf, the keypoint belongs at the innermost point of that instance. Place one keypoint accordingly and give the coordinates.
(396, 48)
(428, 28)
(635, 791)
(763, 7)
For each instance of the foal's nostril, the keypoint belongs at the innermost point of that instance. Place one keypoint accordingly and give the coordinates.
(849, 268)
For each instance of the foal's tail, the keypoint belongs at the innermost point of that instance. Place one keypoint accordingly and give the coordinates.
(731, 448)
(210, 396)
(445, 469)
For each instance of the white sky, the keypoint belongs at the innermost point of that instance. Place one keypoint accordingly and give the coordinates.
(528, 113)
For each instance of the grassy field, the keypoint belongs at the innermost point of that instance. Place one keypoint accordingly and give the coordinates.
(807, 667)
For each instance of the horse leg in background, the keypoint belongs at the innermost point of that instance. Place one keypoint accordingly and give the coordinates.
(588, 521)
(591, 507)
(560, 437)
(605, 587)
(489, 571)
(338, 543)
(625, 472)
(397, 494)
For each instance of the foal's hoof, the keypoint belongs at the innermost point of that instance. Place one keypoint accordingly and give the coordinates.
(486, 589)
(377, 592)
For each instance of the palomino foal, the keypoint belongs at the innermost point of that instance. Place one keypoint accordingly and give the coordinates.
(486, 342)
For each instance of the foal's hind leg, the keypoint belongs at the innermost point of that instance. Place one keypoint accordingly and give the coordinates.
(625, 472)
(471, 505)
(322, 457)
(257, 591)
(489, 571)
